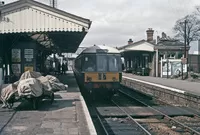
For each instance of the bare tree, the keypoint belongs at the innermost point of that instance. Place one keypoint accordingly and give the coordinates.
(192, 28)
(198, 10)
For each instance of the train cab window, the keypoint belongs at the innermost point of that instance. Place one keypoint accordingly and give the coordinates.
(89, 63)
(114, 63)
(102, 63)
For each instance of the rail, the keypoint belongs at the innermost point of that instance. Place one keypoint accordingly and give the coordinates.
(100, 120)
(139, 125)
(186, 127)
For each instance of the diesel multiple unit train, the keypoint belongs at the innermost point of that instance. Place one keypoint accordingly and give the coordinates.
(98, 69)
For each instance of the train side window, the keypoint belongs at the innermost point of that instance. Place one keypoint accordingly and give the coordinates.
(78, 64)
(89, 64)
(86, 58)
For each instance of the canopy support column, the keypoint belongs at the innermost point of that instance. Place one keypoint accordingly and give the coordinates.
(1, 60)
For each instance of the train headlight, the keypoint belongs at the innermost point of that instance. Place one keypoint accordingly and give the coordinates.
(89, 79)
(114, 79)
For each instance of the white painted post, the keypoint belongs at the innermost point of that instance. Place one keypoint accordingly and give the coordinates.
(131, 62)
(8, 69)
(127, 64)
(4, 71)
(161, 67)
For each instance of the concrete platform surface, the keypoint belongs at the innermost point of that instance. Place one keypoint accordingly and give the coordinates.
(68, 115)
(185, 86)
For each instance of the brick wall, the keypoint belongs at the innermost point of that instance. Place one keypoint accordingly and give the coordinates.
(163, 94)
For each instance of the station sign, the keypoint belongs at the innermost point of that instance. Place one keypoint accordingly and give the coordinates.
(28, 55)
(16, 55)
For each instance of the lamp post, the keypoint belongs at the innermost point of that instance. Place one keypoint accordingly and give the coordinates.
(181, 64)
(185, 58)
(185, 49)
(182, 69)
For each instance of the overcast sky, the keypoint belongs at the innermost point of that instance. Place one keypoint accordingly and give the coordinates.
(115, 21)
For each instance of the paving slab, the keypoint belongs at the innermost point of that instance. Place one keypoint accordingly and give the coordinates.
(183, 85)
(68, 115)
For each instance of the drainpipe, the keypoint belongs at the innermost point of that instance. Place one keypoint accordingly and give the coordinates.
(156, 62)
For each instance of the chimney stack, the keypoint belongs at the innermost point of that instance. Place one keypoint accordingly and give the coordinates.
(130, 41)
(158, 39)
(53, 3)
(150, 34)
(164, 36)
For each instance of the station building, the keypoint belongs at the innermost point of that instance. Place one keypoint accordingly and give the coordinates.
(144, 57)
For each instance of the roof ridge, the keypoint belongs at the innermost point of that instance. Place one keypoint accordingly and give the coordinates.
(134, 43)
(39, 4)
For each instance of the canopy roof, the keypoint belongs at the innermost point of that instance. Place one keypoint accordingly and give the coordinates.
(48, 25)
(141, 45)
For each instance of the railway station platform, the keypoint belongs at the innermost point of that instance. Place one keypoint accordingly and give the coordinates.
(182, 91)
(68, 115)
(180, 85)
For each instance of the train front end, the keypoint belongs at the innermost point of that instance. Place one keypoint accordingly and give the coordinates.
(102, 74)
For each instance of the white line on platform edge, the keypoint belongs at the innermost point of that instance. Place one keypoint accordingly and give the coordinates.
(157, 85)
(88, 117)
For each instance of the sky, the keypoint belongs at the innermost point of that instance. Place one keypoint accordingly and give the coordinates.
(116, 21)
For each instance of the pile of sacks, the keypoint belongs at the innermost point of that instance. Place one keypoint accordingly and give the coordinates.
(30, 84)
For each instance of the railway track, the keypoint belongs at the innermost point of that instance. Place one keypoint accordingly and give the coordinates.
(179, 124)
(128, 124)
(121, 126)
(125, 125)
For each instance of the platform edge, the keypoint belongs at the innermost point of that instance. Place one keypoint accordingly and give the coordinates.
(155, 84)
(90, 124)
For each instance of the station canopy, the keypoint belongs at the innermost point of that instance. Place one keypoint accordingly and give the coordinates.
(46, 25)
(141, 45)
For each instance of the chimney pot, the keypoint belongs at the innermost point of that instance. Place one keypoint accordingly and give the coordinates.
(164, 36)
(158, 38)
(2, 3)
(150, 32)
(130, 41)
